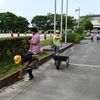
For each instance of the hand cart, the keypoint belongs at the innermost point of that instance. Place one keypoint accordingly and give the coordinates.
(58, 60)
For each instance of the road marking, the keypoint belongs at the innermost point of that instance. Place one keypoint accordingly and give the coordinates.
(83, 65)
(79, 64)
(93, 49)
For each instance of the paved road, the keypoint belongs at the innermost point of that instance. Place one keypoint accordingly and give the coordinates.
(81, 81)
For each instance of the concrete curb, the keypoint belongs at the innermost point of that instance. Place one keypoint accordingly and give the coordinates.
(12, 78)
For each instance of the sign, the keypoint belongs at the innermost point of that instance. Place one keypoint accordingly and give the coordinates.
(99, 20)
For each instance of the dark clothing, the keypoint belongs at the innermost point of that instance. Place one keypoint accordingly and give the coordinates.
(29, 70)
(92, 39)
(98, 38)
(27, 58)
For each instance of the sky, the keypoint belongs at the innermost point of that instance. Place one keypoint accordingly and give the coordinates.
(31, 8)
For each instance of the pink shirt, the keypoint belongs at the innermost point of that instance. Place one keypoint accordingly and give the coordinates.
(36, 40)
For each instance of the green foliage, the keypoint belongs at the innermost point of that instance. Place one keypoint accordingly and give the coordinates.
(88, 25)
(73, 37)
(78, 37)
(46, 42)
(39, 21)
(84, 19)
(11, 22)
(79, 30)
(70, 37)
(9, 47)
(71, 22)
(47, 22)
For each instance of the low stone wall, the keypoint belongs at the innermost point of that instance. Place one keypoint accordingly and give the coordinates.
(12, 78)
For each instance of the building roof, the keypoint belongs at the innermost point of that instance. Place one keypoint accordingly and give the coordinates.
(91, 15)
(95, 17)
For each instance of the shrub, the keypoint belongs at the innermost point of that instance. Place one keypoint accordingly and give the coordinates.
(78, 37)
(9, 47)
(73, 37)
(70, 37)
(79, 30)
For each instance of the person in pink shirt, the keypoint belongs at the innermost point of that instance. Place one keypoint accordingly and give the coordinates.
(34, 42)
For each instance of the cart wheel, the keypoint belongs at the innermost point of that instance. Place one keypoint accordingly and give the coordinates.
(57, 64)
(67, 62)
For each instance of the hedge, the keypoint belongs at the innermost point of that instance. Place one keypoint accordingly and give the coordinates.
(73, 37)
(9, 47)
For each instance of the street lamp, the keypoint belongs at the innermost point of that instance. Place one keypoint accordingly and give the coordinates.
(66, 21)
(78, 15)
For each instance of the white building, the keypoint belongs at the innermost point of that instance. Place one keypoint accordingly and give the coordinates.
(96, 22)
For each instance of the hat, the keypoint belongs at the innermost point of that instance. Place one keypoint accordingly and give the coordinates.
(92, 31)
(57, 31)
(17, 59)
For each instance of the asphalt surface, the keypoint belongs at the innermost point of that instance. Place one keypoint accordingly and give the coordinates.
(80, 81)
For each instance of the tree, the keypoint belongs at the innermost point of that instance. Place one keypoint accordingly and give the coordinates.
(21, 24)
(84, 19)
(11, 22)
(39, 21)
(88, 25)
(71, 22)
(47, 22)
(7, 21)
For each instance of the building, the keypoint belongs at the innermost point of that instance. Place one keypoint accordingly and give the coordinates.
(96, 22)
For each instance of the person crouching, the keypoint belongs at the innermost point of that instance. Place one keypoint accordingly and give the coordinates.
(32, 61)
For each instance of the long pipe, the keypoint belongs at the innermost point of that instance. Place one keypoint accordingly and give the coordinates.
(61, 16)
(66, 21)
(55, 17)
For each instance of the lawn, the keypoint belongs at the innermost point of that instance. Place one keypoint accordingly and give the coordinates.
(17, 67)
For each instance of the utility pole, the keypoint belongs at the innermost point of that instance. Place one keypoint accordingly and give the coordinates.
(61, 16)
(66, 21)
(55, 17)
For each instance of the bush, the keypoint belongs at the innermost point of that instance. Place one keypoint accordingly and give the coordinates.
(78, 37)
(70, 37)
(73, 37)
(9, 47)
(79, 30)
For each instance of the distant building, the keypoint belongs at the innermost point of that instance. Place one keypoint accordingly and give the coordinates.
(95, 21)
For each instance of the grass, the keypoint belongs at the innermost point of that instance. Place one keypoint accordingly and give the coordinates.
(17, 67)
(9, 66)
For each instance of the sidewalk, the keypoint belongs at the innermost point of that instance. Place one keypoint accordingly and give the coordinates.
(80, 81)
(64, 47)
(13, 77)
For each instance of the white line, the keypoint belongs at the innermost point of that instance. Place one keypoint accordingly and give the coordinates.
(84, 65)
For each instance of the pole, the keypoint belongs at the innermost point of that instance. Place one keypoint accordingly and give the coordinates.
(61, 15)
(66, 21)
(78, 17)
(55, 17)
